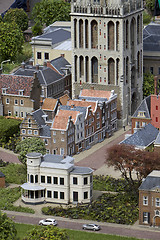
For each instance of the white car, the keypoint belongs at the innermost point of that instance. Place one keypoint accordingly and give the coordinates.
(48, 221)
(91, 226)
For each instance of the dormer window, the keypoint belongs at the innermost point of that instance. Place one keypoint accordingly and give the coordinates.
(141, 114)
(21, 92)
(3, 90)
(29, 123)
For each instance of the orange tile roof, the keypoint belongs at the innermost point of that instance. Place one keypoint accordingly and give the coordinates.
(60, 122)
(49, 104)
(63, 100)
(83, 103)
(67, 113)
(95, 93)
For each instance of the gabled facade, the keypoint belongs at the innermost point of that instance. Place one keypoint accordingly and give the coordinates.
(149, 200)
(19, 94)
(55, 179)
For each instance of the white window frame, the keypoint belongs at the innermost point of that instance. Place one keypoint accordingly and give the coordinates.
(145, 200)
(62, 132)
(157, 202)
(35, 132)
(29, 131)
(21, 102)
(145, 216)
(23, 131)
(54, 140)
(15, 101)
(62, 151)
(9, 113)
(7, 100)
(54, 133)
(62, 139)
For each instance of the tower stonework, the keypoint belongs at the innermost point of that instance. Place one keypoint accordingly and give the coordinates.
(107, 50)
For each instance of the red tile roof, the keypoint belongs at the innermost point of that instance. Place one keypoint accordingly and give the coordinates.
(63, 100)
(49, 104)
(14, 83)
(83, 103)
(68, 113)
(60, 122)
(95, 93)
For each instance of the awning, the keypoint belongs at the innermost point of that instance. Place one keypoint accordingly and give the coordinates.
(28, 186)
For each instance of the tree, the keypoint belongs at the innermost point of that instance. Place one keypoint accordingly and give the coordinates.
(7, 228)
(150, 5)
(47, 12)
(11, 40)
(48, 233)
(148, 84)
(37, 29)
(126, 158)
(30, 145)
(19, 16)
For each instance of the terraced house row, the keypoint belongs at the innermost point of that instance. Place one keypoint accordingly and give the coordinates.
(71, 126)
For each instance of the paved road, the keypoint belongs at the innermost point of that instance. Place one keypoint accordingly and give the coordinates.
(8, 156)
(107, 228)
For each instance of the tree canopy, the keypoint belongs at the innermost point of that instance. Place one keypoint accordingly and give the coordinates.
(7, 228)
(11, 40)
(148, 84)
(126, 158)
(48, 233)
(150, 5)
(30, 145)
(19, 16)
(47, 12)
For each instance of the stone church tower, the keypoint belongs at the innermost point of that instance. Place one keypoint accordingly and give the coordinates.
(107, 50)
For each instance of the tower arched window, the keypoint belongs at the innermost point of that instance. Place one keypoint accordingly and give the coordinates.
(94, 34)
(81, 33)
(111, 35)
(94, 69)
(111, 71)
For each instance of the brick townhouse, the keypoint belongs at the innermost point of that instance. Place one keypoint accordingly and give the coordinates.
(149, 200)
(19, 94)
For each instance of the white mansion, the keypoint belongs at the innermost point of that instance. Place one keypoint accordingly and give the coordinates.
(53, 178)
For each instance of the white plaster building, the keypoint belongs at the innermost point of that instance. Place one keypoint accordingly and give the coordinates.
(107, 50)
(55, 179)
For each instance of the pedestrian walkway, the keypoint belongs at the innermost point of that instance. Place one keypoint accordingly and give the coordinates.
(8, 156)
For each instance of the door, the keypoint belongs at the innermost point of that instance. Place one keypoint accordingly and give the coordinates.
(157, 221)
(75, 196)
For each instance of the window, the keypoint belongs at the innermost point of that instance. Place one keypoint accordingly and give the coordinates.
(54, 151)
(98, 124)
(46, 56)
(85, 195)
(85, 180)
(61, 151)
(75, 180)
(42, 179)
(31, 178)
(55, 180)
(156, 119)
(156, 107)
(49, 179)
(22, 114)
(16, 102)
(54, 133)
(104, 47)
(23, 131)
(21, 102)
(61, 195)
(159, 70)
(157, 202)
(54, 140)
(7, 100)
(49, 194)
(104, 69)
(104, 35)
(145, 200)
(98, 115)
(100, 67)
(104, 57)
(62, 132)
(38, 55)
(62, 139)
(46, 141)
(61, 181)
(29, 131)
(146, 217)
(21, 92)
(3, 91)
(35, 132)
(91, 179)
(36, 178)
(99, 31)
(100, 46)
(151, 70)
(55, 193)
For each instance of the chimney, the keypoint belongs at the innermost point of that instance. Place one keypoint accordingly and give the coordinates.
(92, 87)
(37, 66)
(62, 55)
(155, 85)
(72, 105)
(112, 93)
(23, 65)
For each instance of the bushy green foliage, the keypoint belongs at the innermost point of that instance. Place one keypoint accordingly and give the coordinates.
(150, 4)
(49, 233)
(19, 16)
(7, 228)
(148, 84)
(14, 173)
(146, 18)
(9, 128)
(47, 12)
(30, 145)
(121, 208)
(8, 196)
(11, 40)
(37, 29)
(107, 183)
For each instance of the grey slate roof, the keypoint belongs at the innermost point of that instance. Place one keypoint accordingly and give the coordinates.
(81, 170)
(151, 181)
(94, 99)
(151, 37)
(45, 75)
(143, 137)
(59, 63)
(57, 36)
(45, 131)
(145, 107)
(1, 175)
(157, 141)
(37, 115)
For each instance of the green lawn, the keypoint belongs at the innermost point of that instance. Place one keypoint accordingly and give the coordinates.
(73, 235)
